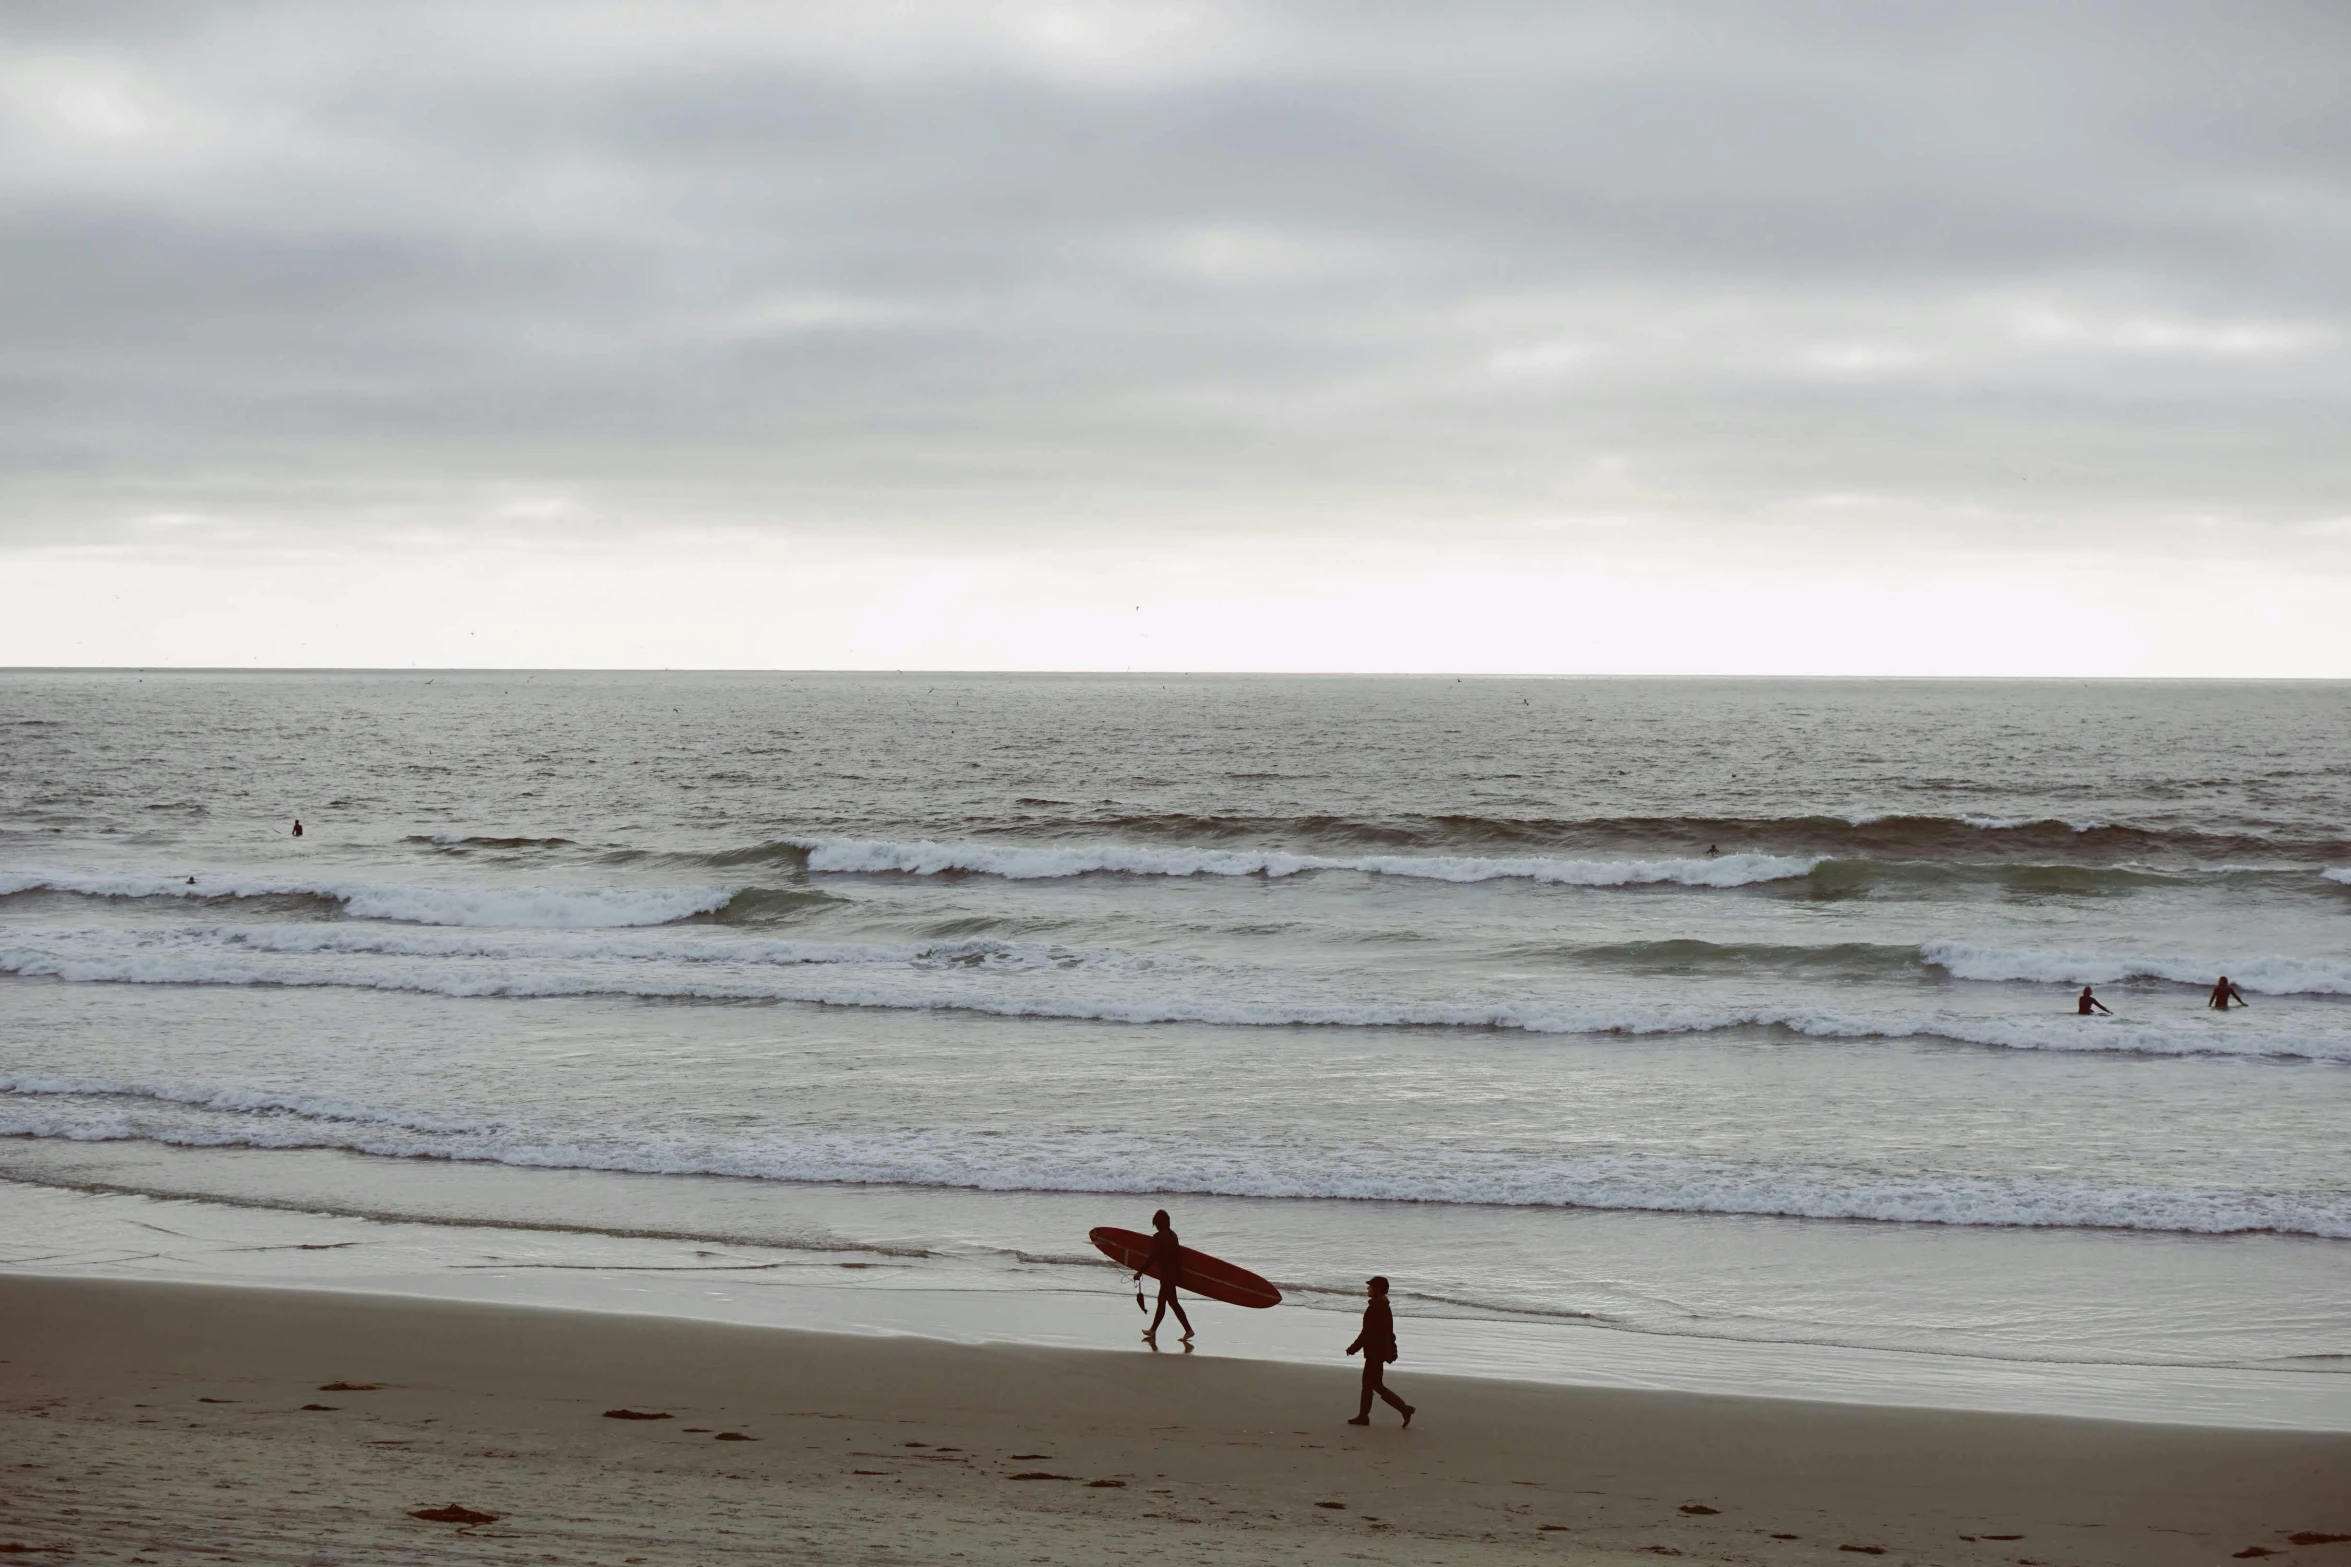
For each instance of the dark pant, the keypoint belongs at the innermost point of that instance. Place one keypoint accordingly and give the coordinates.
(1374, 1373)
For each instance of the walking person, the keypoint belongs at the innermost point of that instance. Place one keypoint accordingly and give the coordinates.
(1165, 1263)
(2224, 993)
(1377, 1342)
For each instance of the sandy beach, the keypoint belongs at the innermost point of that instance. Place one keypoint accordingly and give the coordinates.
(165, 1422)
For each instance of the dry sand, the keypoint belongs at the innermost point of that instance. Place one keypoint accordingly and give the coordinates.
(168, 1423)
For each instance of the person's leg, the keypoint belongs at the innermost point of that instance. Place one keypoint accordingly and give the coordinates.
(1176, 1301)
(1157, 1317)
(1376, 1384)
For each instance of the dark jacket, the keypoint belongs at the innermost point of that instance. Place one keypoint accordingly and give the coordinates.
(1378, 1338)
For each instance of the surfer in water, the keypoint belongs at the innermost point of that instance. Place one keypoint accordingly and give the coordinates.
(1377, 1342)
(2085, 1001)
(2224, 993)
(1167, 1262)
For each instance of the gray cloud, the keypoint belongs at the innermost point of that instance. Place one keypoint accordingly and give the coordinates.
(1996, 277)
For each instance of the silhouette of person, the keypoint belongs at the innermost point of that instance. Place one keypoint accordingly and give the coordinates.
(1167, 1263)
(2085, 1001)
(1377, 1341)
(297, 826)
(2224, 993)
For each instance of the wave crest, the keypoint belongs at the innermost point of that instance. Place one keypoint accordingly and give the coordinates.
(1004, 979)
(102, 1110)
(856, 856)
(528, 907)
(2273, 975)
(1859, 834)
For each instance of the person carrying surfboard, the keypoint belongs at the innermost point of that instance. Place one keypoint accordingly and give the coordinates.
(1377, 1341)
(1166, 1263)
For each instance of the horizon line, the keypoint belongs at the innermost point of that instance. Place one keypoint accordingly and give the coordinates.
(1137, 674)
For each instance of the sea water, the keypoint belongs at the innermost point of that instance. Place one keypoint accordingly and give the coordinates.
(1722, 1029)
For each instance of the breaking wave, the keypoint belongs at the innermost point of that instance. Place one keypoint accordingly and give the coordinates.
(855, 856)
(1803, 875)
(1861, 834)
(539, 907)
(1006, 979)
(2272, 975)
(95, 1109)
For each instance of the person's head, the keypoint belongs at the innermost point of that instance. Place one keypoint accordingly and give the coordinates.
(1377, 1284)
(2224, 982)
(1160, 1220)
(2085, 990)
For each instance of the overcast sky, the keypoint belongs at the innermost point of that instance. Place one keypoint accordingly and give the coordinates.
(1747, 338)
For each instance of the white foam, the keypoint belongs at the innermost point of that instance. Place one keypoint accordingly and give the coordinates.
(1124, 1162)
(2341, 873)
(686, 945)
(862, 856)
(251, 1101)
(2273, 975)
(1008, 980)
(415, 903)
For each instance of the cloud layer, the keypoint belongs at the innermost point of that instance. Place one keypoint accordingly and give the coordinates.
(1733, 284)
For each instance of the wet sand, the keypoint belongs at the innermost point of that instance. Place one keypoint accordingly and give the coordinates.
(166, 1422)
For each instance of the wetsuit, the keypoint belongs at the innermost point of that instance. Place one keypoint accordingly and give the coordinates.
(1167, 1263)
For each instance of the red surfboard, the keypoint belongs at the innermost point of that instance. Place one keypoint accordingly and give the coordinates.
(1201, 1274)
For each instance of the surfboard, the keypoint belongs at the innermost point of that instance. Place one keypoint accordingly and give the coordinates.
(1201, 1274)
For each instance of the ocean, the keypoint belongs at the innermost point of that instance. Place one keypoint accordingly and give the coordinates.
(1712, 1034)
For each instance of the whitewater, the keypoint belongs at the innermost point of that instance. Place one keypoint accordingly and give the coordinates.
(1548, 996)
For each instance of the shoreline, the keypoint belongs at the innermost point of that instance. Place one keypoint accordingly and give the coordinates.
(169, 1418)
(990, 1287)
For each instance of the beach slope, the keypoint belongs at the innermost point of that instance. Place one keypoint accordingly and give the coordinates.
(172, 1422)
